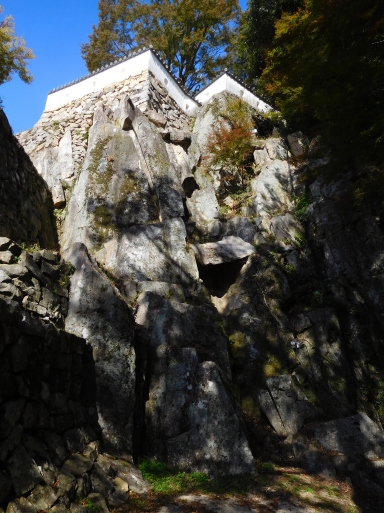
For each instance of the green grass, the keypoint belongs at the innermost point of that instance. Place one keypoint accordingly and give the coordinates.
(266, 467)
(166, 481)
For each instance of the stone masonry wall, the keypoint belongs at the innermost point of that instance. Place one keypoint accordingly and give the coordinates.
(37, 281)
(25, 203)
(58, 143)
(46, 399)
(145, 91)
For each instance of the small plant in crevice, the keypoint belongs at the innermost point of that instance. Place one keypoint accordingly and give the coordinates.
(301, 204)
(300, 240)
(266, 467)
(31, 248)
(270, 238)
(224, 210)
(59, 214)
(231, 143)
(66, 272)
(289, 268)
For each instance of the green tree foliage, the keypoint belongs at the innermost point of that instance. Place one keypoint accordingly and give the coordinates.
(327, 68)
(14, 55)
(113, 36)
(194, 36)
(257, 30)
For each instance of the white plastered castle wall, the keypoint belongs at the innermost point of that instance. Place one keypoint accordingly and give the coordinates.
(121, 71)
(227, 83)
(147, 61)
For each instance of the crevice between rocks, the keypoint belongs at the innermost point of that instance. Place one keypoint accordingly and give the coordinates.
(219, 278)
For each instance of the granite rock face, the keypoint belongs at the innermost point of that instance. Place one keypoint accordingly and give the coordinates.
(56, 165)
(154, 252)
(99, 315)
(229, 249)
(112, 191)
(276, 149)
(119, 199)
(190, 417)
(205, 121)
(272, 189)
(277, 258)
(353, 436)
(242, 227)
(298, 144)
(163, 175)
(286, 407)
(204, 211)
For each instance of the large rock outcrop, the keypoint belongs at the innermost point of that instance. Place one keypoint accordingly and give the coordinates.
(123, 192)
(99, 315)
(190, 418)
(258, 290)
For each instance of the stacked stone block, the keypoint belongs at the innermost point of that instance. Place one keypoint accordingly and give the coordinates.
(46, 398)
(38, 281)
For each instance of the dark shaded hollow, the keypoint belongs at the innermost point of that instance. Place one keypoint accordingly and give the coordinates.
(219, 278)
(189, 186)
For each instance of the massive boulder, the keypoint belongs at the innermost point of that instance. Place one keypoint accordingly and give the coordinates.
(229, 249)
(56, 165)
(123, 191)
(99, 315)
(285, 405)
(272, 190)
(112, 191)
(190, 418)
(356, 436)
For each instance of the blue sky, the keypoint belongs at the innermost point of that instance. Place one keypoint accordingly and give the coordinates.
(54, 30)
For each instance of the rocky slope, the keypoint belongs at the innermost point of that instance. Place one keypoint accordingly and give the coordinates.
(206, 302)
